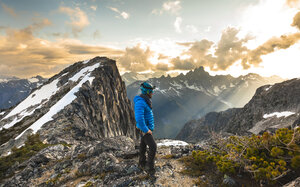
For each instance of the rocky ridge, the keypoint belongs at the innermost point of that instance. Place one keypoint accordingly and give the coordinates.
(272, 107)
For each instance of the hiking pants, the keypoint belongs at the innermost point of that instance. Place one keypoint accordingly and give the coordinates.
(147, 139)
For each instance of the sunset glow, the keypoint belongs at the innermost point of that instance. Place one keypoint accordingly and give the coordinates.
(258, 36)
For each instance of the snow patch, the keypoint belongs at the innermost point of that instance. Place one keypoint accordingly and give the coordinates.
(20, 145)
(169, 142)
(86, 61)
(33, 80)
(41, 94)
(279, 114)
(216, 89)
(192, 87)
(2, 113)
(268, 88)
(223, 87)
(175, 84)
(64, 74)
(83, 72)
(66, 100)
(18, 119)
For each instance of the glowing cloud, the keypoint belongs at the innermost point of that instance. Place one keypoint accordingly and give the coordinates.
(79, 19)
(124, 15)
(172, 7)
(177, 24)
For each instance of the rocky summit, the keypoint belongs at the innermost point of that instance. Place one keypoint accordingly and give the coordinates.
(272, 107)
(87, 101)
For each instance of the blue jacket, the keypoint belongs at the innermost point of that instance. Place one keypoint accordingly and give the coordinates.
(143, 114)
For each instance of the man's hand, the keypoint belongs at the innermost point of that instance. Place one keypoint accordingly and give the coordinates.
(149, 132)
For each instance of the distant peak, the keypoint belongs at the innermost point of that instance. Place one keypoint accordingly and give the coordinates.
(199, 69)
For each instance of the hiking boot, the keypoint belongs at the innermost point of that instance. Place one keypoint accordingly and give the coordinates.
(150, 170)
(141, 166)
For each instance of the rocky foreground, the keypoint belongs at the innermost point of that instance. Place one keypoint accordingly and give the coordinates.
(110, 162)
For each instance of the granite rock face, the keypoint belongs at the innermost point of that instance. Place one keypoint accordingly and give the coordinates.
(271, 107)
(87, 102)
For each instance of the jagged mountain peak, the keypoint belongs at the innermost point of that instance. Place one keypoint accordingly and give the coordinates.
(85, 101)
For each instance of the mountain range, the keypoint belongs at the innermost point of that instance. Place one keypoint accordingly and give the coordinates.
(179, 99)
(13, 89)
(131, 77)
(272, 107)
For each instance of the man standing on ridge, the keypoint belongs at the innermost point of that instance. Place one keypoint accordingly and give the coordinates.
(145, 122)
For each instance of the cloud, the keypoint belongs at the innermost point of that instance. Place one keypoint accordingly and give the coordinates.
(79, 19)
(40, 23)
(162, 67)
(74, 48)
(162, 57)
(136, 59)
(24, 55)
(230, 48)
(191, 28)
(172, 7)
(296, 21)
(199, 55)
(9, 10)
(186, 64)
(124, 15)
(177, 24)
(273, 44)
(93, 8)
(293, 3)
(207, 29)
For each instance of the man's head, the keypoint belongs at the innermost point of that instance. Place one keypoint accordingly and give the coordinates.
(147, 89)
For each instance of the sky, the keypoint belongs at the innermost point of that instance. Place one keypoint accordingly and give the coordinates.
(42, 37)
